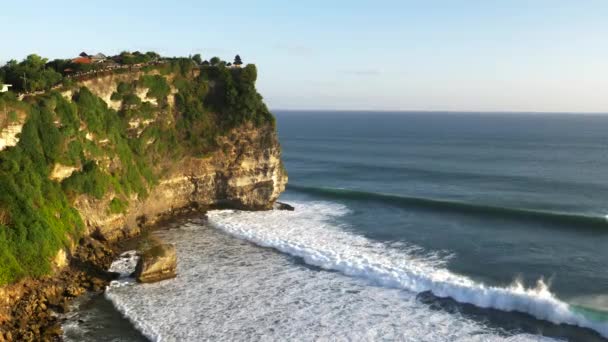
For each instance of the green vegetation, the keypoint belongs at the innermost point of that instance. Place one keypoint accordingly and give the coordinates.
(91, 180)
(35, 73)
(197, 59)
(38, 218)
(117, 156)
(157, 85)
(118, 206)
(136, 57)
(31, 74)
(215, 61)
(10, 109)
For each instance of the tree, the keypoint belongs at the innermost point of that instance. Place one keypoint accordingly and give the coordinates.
(31, 74)
(59, 65)
(152, 55)
(197, 59)
(205, 63)
(126, 58)
(237, 60)
(250, 74)
(215, 61)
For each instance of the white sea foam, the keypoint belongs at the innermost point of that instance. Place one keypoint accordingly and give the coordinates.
(229, 289)
(309, 233)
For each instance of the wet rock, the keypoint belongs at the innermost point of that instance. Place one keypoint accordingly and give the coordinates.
(53, 333)
(156, 263)
(282, 206)
(74, 291)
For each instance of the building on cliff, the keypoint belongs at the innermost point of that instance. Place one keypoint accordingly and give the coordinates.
(85, 58)
(82, 60)
(98, 58)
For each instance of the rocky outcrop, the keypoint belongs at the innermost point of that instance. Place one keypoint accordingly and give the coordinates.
(104, 85)
(156, 263)
(61, 172)
(283, 206)
(10, 136)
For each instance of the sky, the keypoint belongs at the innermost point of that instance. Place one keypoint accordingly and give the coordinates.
(491, 55)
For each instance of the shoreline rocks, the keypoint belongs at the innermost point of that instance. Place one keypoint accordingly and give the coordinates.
(156, 263)
(282, 206)
(33, 310)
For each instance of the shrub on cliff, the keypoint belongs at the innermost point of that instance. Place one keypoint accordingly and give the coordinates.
(41, 218)
(91, 180)
(31, 74)
(38, 217)
(157, 85)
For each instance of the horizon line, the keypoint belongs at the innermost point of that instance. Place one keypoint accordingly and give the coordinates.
(438, 111)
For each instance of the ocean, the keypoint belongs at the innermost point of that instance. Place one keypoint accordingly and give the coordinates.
(408, 227)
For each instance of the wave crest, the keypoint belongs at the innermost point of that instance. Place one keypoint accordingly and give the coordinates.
(313, 234)
(562, 218)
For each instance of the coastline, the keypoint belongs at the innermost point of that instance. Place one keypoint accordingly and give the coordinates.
(104, 181)
(39, 307)
(94, 317)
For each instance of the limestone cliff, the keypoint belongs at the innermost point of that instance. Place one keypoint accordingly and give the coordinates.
(246, 173)
(107, 155)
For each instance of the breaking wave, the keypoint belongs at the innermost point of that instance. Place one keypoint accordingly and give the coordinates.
(320, 240)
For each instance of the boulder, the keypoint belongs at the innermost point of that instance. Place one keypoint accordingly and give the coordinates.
(282, 206)
(156, 263)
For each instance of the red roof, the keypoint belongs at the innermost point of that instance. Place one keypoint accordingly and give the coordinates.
(82, 60)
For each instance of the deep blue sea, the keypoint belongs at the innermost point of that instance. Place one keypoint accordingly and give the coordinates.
(409, 227)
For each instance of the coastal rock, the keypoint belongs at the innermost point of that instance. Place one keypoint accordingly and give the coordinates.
(157, 263)
(283, 206)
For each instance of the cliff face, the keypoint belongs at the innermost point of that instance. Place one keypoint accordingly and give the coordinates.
(107, 155)
(246, 172)
(99, 159)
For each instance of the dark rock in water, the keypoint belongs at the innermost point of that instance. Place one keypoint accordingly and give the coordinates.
(156, 263)
(283, 206)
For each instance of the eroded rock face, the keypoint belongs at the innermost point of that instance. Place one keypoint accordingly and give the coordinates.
(104, 85)
(245, 172)
(10, 136)
(157, 263)
(61, 172)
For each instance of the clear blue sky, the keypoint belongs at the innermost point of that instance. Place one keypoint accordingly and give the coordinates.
(511, 55)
